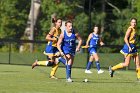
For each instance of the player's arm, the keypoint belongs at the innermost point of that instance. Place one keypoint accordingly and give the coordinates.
(80, 41)
(50, 35)
(101, 42)
(59, 43)
(128, 32)
(89, 37)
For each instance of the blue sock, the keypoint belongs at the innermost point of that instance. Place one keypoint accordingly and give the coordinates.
(97, 65)
(62, 60)
(68, 71)
(88, 65)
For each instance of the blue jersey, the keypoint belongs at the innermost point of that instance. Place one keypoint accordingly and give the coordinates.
(94, 40)
(69, 43)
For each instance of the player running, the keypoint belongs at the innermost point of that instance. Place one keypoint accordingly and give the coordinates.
(92, 43)
(67, 47)
(129, 50)
(51, 50)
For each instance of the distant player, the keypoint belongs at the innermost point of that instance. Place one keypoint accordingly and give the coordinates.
(51, 50)
(67, 47)
(92, 42)
(129, 49)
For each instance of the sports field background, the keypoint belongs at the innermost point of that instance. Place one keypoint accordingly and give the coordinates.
(106, 59)
(22, 79)
(16, 75)
(12, 55)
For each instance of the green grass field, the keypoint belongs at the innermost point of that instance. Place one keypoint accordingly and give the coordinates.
(22, 79)
(106, 59)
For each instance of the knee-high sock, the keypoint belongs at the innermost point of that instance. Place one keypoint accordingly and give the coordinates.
(118, 66)
(42, 63)
(54, 69)
(68, 71)
(138, 73)
(88, 65)
(62, 60)
(97, 65)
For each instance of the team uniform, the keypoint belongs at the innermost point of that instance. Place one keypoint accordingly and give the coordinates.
(68, 46)
(51, 51)
(93, 50)
(125, 52)
(132, 40)
(51, 47)
(93, 44)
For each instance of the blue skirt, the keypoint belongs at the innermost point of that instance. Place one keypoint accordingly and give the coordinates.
(50, 50)
(68, 50)
(125, 50)
(92, 50)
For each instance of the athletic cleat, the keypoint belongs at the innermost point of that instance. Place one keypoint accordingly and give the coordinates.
(111, 72)
(69, 80)
(53, 77)
(34, 64)
(100, 71)
(88, 71)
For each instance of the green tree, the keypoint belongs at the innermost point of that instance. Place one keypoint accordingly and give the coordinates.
(13, 18)
(119, 18)
(64, 9)
(112, 15)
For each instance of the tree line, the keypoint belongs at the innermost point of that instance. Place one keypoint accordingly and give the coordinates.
(112, 16)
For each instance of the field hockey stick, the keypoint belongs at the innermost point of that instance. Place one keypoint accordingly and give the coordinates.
(84, 46)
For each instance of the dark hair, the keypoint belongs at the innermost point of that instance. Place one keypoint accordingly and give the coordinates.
(96, 25)
(68, 21)
(134, 19)
(55, 20)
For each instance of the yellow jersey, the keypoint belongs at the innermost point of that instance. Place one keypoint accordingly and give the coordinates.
(56, 34)
(132, 37)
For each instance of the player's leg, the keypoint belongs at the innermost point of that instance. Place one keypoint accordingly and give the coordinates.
(137, 62)
(49, 52)
(97, 63)
(43, 63)
(34, 64)
(127, 58)
(91, 52)
(70, 59)
(55, 66)
(53, 71)
(56, 63)
(120, 65)
(40, 63)
(62, 60)
(91, 58)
